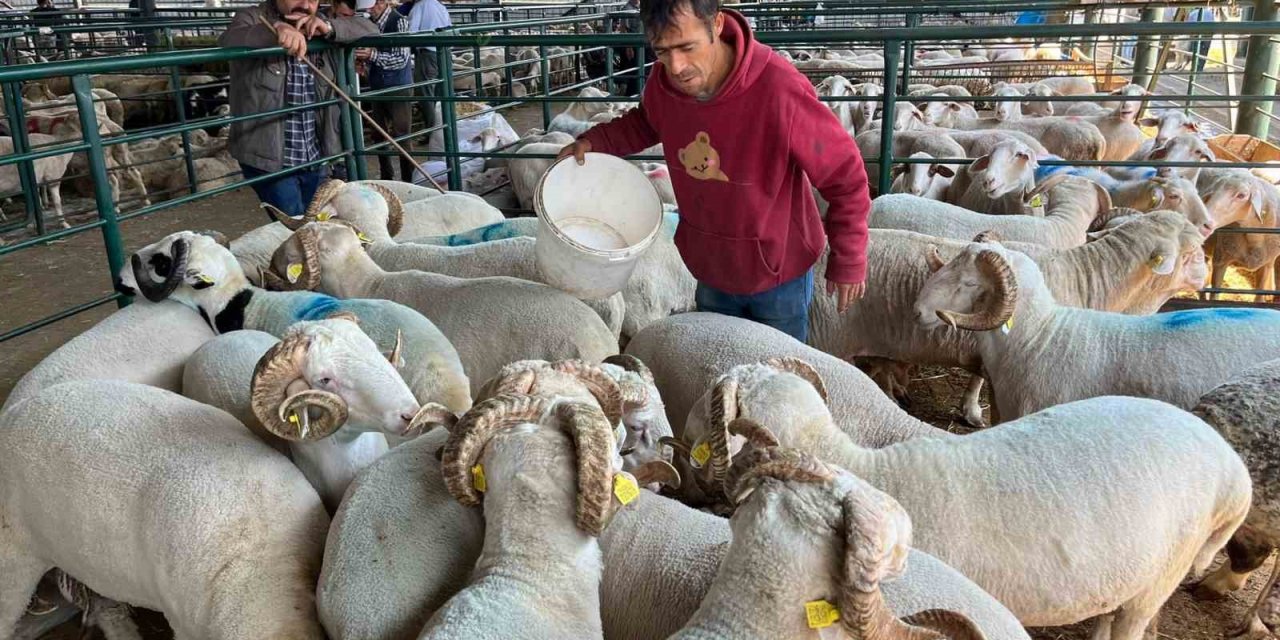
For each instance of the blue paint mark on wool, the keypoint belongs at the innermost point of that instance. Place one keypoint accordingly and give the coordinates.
(317, 307)
(1196, 317)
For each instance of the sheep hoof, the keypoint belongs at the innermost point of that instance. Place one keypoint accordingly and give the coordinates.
(1252, 630)
(975, 419)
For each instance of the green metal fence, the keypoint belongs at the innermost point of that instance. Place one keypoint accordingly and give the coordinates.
(572, 52)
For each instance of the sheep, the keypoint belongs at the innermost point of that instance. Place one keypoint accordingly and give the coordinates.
(1169, 124)
(576, 118)
(1235, 195)
(1001, 182)
(405, 191)
(945, 114)
(1244, 411)
(203, 275)
(206, 524)
(142, 343)
(1038, 108)
(526, 172)
(905, 144)
(511, 448)
(447, 213)
(1005, 110)
(1113, 273)
(660, 286)
(48, 172)
(550, 325)
(1074, 204)
(953, 90)
(1123, 137)
(925, 179)
(782, 546)
(1173, 193)
(1102, 107)
(1072, 139)
(400, 546)
(330, 367)
(376, 212)
(1255, 253)
(1170, 489)
(1017, 317)
(1180, 148)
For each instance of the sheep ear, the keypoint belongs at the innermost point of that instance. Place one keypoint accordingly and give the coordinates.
(1255, 201)
(898, 170)
(1193, 127)
(954, 106)
(981, 163)
(942, 170)
(1159, 154)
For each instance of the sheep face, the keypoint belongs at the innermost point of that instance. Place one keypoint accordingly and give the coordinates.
(922, 179)
(1182, 148)
(344, 361)
(908, 118)
(644, 417)
(1009, 110)
(1234, 198)
(1038, 108)
(1128, 109)
(835, 86)
(1171, 123)
(1009, 167)
(314, 251)
(869, 106)
(1177, 194)
(185, 266)
(976, 291)
(941, 114)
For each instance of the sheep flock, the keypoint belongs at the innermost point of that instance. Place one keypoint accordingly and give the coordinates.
(378, 421)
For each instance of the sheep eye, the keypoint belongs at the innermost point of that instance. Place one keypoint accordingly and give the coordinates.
(324, 382)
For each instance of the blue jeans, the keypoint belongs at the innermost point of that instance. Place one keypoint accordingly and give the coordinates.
(784, 307)
(290, 194)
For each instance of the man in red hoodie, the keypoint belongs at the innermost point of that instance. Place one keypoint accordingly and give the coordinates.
(745, 136)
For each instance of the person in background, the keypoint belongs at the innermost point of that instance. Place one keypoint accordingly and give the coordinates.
(47, 15)
(427, 16)
(747, 140)
(258, 85)
(390, 67)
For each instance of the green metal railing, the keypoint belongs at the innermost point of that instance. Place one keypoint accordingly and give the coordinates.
(573, 39)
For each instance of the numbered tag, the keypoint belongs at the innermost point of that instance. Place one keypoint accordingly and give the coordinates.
(324, 216)
(821, 614)
(477, 478)
(294, 272)
(1007, 326)
(625, 489)
(1037, 205)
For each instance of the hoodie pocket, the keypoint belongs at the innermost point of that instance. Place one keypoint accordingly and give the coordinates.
(711, 256)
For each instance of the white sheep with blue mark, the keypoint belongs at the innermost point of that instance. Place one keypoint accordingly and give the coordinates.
(196, 271)
(1175, 357)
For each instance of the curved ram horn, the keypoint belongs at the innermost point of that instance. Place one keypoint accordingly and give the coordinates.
(1002, 303)
(148, 287)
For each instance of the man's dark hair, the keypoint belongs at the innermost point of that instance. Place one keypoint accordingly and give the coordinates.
(658, 15)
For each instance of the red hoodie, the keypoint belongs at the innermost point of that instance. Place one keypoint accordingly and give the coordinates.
(748, 221)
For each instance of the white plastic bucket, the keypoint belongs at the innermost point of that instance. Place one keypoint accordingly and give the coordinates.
(594, 221)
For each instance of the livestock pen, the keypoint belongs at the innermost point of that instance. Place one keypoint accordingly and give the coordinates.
(54, 282)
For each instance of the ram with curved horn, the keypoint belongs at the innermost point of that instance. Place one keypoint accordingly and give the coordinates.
(491, 321)
(213, 285)
(1000, 295)
(791, 507)
(629, 401)
(1004, 484)
(324, 393)
(505, 449)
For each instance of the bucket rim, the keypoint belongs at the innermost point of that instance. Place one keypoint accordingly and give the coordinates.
(611, 254)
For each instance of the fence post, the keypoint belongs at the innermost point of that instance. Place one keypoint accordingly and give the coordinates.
(545, 68)
(1144, 56)
(1262, 65)
(892, 54)
(448, 109)
(352, 123)
(26, 172)
(909, 51)
(180, 103)
(83, 90)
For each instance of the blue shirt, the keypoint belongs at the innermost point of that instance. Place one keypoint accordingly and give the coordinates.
(428, 15)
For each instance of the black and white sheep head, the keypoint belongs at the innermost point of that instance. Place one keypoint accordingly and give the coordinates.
(1009, 167)
(836, 538)
(602, 487)
(976, 291)
(188, 266)
(298, 263)
(368, 206)
(327, 375)
(1171, 123)
(726, 422)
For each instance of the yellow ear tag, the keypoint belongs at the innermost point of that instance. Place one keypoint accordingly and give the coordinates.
(625, 489)
(477, 478)
(1155, 200)
(205, 279)
(700, 454)
(294, 272)
(821, 614)
(1037, 205)
(363, 238)
(1007, 326)
(1157, 261)
(323, 216)
(293, 417)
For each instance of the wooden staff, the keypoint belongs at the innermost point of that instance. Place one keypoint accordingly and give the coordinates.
(367, 118)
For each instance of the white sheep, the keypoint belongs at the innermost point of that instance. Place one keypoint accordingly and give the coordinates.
(1184, 147)
(782, 561)
(946, 114)
(1001, 294)
(1117, 272)
(1073, 205)
(201, 274)
(1002, 182)
(547, 470)
(526, 172)
(1070, 138)
(1158, 193)
(925, 179)
(1235, 195)
(48, 172)
(327, 368)
(201, 521)
(1169, 489)
(1169, 124)
(490, 321)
